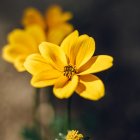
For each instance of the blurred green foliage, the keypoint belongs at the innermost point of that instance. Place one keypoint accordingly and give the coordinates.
(31, 133)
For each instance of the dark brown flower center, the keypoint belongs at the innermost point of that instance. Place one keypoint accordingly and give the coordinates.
(69, 71)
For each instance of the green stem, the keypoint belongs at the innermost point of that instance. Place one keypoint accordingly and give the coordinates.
(69, 112)
(36, 105)
(51, 100)
(37, 98)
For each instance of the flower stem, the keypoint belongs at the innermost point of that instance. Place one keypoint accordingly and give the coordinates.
(69, 112)
(36, 105)
(52, 101)
(37, 99)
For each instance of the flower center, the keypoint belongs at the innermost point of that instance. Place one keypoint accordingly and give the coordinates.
(69, 71)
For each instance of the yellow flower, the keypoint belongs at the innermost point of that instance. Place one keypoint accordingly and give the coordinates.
(68, 67)
(74, 135)
(23, 42)
(54, 22)
(54, 16)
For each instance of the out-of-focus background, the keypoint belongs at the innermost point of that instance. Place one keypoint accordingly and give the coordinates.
(115, 25)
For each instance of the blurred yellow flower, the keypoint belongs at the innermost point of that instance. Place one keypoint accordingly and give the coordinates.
(54, 22)
(74, 135)
(22, 42)
(54, 16)
(68, 67)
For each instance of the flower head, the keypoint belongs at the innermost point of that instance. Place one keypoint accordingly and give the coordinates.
(54, 16)
(68, 67)
(74, 135)
(55, 22)
(23, 42)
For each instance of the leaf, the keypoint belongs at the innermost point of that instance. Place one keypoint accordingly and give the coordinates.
(31, 133)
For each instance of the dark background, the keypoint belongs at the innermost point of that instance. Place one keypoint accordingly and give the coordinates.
(115, 25)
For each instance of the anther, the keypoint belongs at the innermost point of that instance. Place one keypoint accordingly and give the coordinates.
(69, 71)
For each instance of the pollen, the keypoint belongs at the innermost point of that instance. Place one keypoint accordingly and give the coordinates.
(74, 135)
(69, 71)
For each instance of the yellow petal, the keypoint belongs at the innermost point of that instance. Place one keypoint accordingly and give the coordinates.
(67, 16)
(21, 37)
(78, 49)
(55, 16)
(68, 45)
(57, 34)
(32, 16)
(85, 49)
(64, 88)
(96, 64)
(37, 33)
(11, 52)
(53, 55)
(45, 78)
(18, 63)
(75, 49)
(90, 87)
(35, 64)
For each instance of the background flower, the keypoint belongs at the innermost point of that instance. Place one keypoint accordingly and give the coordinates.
(54, 22)
(21, 44)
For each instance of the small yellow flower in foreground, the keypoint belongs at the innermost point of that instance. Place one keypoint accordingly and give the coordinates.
(69, 67)
(74, 135)
(23, 42)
